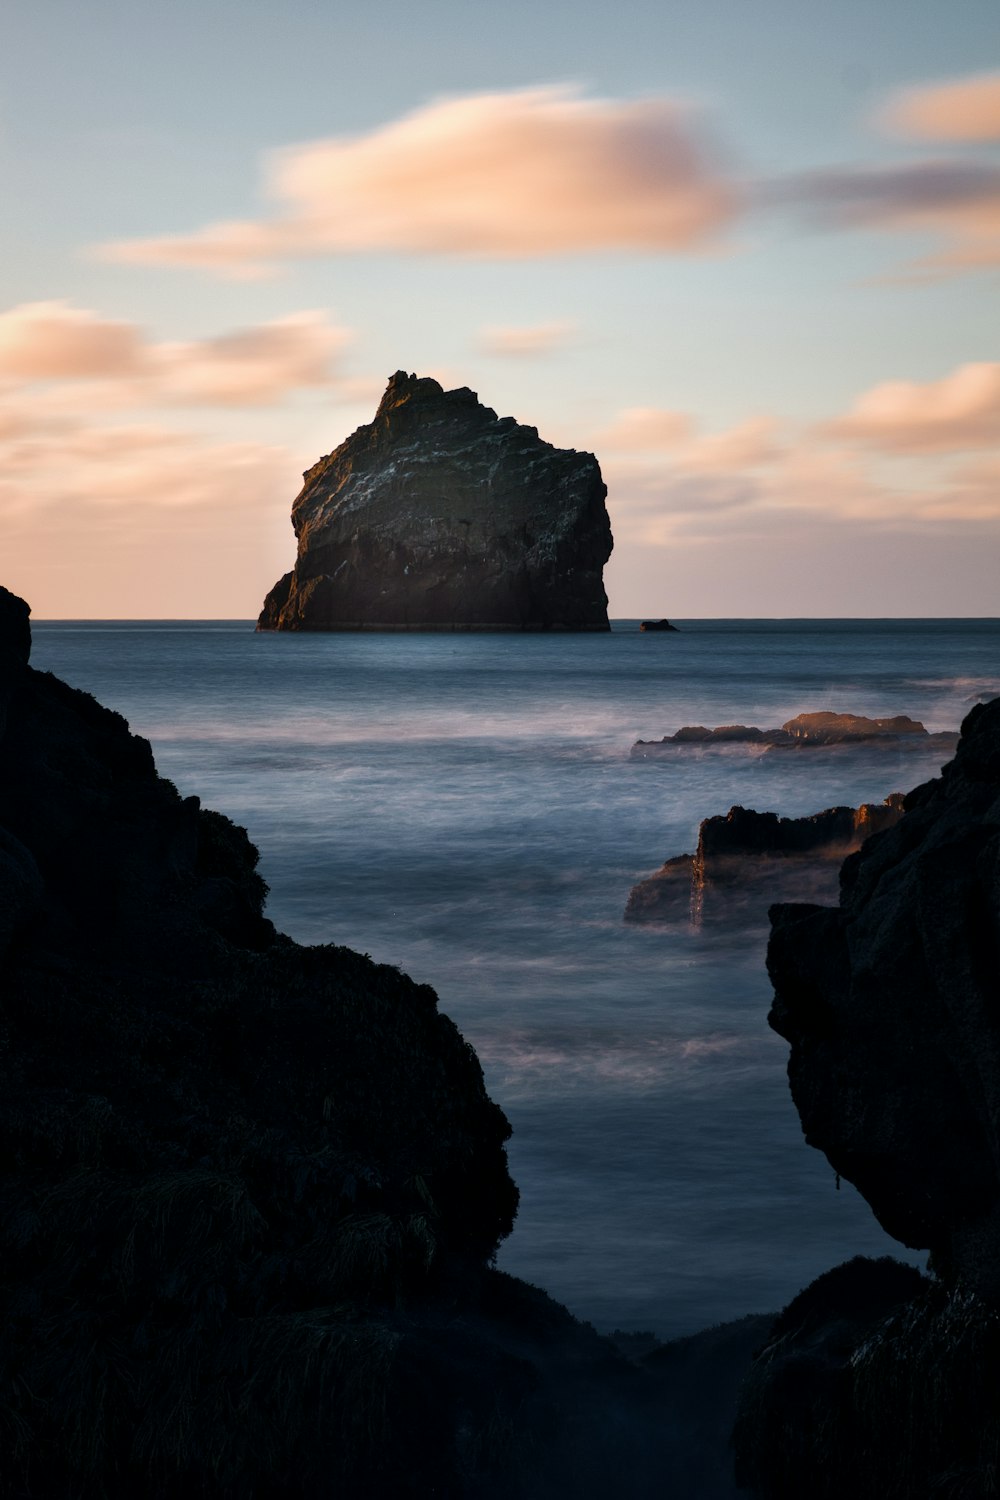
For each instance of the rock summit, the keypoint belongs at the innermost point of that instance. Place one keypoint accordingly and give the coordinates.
(440, 515)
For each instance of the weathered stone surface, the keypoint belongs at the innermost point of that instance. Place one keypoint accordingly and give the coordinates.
(808, 731)
(745, 859)
(250, 1192)
(891, 1003)
(869, 1385)
(438, 515)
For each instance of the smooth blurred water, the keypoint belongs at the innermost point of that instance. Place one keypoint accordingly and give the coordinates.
(464, 806)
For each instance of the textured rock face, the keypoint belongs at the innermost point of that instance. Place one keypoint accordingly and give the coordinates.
(746, 859)
(440, 515)
(874, 1383)
(249, 1191)
(810, 731)
(891, 1003)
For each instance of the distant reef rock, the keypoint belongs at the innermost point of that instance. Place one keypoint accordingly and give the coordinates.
(746, 860)
(875, 1381)
(440, 515)
(811, 731)
(654, 625)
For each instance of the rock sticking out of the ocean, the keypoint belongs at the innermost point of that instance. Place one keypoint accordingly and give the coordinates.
(810, 731)
(746, 860)
(440, 515)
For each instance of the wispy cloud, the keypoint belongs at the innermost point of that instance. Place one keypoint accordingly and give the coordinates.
(530, 172)
(960, 411)
(646, 429)
(527, 342)
(54, 341)
(760, 476)
(960, 109)
(959, 201)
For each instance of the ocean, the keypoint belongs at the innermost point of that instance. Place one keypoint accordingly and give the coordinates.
(464, 806)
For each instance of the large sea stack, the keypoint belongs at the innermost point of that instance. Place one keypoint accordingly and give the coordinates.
(440, 515)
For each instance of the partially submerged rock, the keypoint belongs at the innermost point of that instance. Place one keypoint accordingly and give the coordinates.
(440, 515)
(657, 625)
(747, 859)
(809, 731)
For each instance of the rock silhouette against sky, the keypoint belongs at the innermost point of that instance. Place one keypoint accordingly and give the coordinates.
(441, 515)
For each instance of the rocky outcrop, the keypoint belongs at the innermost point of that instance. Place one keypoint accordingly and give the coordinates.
(655, 625)
(809, 731)
(891, 1004)
(439, 515)
(746, 859)
(250, 1192)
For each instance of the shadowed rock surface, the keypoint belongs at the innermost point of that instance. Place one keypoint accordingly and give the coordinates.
(439, 515)
(811, 731)
(250, 1191)
(891, 1003)
(745, 859)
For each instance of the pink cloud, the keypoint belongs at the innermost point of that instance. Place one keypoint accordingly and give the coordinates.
(646, 429)
(536, 339)
(252, 367)
(531, 172)
(101, 519)
(650, 429)
(960, 411)
(961, 109)
(53, 341)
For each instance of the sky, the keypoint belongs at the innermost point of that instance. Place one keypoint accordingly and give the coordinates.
(745, 251)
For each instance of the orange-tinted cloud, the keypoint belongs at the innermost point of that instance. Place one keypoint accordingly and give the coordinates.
(646, 429)
(53, 341)
(650, 429)
(749, 445)
(960, 411)
(961, 109)
(144, 521)
(252, 367)
(531, 172)
(536, 339)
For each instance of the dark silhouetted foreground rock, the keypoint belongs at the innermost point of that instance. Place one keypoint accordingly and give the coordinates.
(250, 1191)
(814, 731)
(891, 1003)
(439, 515)
(746, 859)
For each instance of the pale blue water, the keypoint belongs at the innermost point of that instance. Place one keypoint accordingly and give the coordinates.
(464, 806)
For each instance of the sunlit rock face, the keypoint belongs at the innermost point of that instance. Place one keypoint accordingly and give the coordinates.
(746, 860)
(440, 515)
